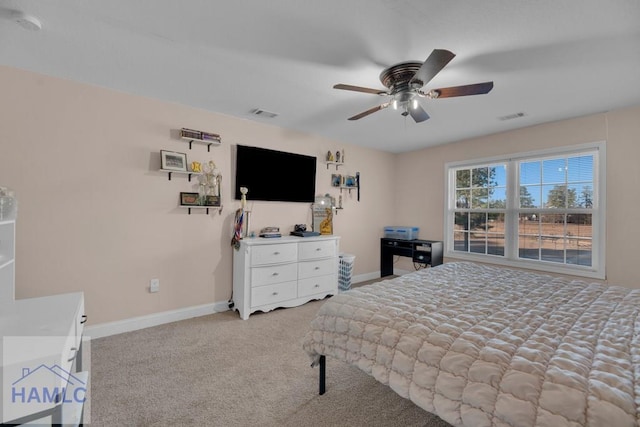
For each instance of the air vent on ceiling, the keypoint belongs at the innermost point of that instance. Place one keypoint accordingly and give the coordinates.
(511, 116)
(263, 113)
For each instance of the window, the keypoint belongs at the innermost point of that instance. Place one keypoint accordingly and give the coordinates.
(540, 210)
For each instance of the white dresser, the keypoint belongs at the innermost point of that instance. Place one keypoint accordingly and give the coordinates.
(283, 272)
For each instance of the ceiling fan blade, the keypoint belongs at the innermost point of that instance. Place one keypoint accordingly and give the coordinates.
(418, 113)
(369, 111)
(474, 89)
(438, 59)
(361, 89)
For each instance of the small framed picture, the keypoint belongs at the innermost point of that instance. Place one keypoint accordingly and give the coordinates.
(189, 199)
(170, 160)
(336, 180)
(212, 200)
(350, 181)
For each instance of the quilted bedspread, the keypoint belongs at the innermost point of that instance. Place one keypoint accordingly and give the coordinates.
(489, 346)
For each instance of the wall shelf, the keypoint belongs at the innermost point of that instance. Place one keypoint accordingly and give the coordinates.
(348, 187)
(219, 208)
(180, 173)
(336, 164)
(202, 141)
(192, 135)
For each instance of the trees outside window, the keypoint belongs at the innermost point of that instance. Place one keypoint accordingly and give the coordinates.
(551, 219)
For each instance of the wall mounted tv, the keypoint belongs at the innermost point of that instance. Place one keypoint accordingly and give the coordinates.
(275, 175)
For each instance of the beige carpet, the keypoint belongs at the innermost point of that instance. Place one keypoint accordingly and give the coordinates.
(219, 370)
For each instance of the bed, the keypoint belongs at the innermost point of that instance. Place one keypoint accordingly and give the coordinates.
(488, 346)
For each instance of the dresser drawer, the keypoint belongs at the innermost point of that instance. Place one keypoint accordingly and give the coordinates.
(317, 249)
(316, 268)
(271, 274)
(272, 294)
(273, 254)
(316, 285)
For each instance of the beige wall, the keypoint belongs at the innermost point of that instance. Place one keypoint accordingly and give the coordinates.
(420, 178)
(96, 215)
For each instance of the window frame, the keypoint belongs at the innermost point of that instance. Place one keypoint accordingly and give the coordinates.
(511, 258)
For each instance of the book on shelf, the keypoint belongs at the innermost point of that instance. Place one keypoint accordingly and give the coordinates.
(190, 133)
(207, 136)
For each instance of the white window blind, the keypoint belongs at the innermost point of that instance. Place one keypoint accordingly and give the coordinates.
(541, 210)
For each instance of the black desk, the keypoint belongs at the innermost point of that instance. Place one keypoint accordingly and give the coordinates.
(422, 251)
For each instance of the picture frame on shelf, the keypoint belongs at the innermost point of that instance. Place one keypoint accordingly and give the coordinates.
(350, 181)
(336, 180)
(170, 160)
(211, 200)
(189, 199)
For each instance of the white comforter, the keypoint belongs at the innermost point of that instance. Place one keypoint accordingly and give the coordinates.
(487, 346)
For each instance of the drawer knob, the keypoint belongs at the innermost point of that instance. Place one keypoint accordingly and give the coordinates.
(317, 268)
(318, 249)
(275, 273)
(276, 253)
(274, 294)
(316, 286)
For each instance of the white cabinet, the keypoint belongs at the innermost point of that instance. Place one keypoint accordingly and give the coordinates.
(283, 272)
(41, 350)
(42, 340)
(7, 260)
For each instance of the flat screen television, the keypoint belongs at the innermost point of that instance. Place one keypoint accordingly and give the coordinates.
(275, 175)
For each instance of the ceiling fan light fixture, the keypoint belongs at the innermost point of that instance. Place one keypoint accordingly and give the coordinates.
(405, 81)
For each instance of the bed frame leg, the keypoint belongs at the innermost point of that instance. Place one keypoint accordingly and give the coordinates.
(322, 379)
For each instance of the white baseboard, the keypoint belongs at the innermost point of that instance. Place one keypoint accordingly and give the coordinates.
(135, 323)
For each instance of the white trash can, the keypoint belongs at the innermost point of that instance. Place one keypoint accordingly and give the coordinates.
(344, 274)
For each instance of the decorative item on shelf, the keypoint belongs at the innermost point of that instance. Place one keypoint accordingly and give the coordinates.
(329, 156)
(209, 186)
(8, 204)
(336, 180)
(196, 167)
(209, 183)
(350, 181)
(340, 201)
(338, 156)
(172, 161)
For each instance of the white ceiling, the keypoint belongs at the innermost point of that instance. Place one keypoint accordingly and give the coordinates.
(549, 59)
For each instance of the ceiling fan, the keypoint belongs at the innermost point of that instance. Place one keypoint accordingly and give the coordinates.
(405, 80)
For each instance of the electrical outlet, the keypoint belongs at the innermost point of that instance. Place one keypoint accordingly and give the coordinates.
(154, 285)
